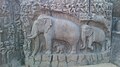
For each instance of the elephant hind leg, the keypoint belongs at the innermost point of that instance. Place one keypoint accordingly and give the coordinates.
(73, 51)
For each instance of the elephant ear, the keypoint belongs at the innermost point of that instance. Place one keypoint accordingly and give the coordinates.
(48, 24)
(91, 31)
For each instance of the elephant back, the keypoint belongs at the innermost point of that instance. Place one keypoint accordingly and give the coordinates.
(99, 34)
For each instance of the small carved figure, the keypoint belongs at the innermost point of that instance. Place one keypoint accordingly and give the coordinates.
(3, 52)
(54, 28)
(59, 47)
(92, 34)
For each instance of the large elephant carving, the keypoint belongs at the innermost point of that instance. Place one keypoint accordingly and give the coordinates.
(92, 34)
(54, 28)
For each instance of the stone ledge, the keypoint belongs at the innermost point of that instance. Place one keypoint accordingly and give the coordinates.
(97, 65)
(70, 60)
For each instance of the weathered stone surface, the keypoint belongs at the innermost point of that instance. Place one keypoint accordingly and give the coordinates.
(54, 62)
(81, 60)
(72, 59)
(58, 33)
(99, 65)
(62, 61)
(71, 35)
(45, 64)
(116, 6)
(115, 41)
(46, 58)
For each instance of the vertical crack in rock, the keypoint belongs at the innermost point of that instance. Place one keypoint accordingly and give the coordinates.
(77, 59)
(57, 61)
(40, 59)
(51, 59)
(66, 60)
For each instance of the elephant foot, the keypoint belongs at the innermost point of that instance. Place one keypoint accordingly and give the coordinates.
(48, 52)
(57, 51)
(32, 56)
(103, 49)
(90, 47)
(29, 35)
(73, 52)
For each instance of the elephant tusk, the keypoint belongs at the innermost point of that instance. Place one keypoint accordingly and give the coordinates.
(32, 36)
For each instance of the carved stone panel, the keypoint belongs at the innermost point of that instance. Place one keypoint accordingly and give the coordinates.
(66, 32)
(10, 33)
(55, 33)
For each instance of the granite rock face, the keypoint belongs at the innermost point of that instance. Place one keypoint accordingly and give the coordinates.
(116, 6)
(56, 33)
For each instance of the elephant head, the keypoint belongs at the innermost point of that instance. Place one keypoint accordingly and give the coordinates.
(86, 32)
(41, 25)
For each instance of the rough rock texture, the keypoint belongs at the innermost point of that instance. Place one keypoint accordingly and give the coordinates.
(116, 41)
(97, 65)
(116, 8)
(21, 39)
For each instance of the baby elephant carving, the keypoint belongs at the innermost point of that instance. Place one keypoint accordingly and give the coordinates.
(92, 34)
(54, 28)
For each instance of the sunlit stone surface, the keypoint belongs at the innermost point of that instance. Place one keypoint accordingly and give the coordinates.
(59, 33)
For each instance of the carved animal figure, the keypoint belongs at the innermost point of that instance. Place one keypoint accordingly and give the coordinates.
(60, 48)
(54, 28)
(92, 34)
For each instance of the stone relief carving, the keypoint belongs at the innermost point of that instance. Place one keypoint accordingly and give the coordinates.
(48, 35)
(64, 32)
(56, 29)
(92, 35)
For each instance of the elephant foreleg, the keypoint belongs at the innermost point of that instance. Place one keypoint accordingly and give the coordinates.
(48, 44)
(36, 46)
(83, 41)
(90, 40)
(34, 31)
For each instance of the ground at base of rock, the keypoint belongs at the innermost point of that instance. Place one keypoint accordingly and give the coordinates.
(97, 65)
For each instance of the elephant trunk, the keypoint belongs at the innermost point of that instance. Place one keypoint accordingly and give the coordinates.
(34, 31)
(82, 40)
